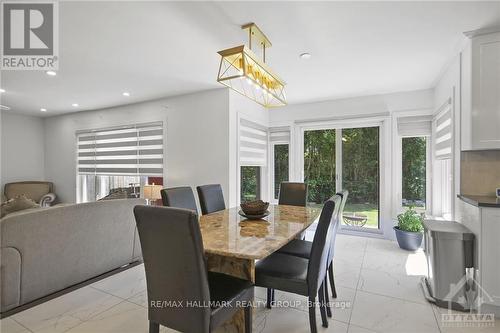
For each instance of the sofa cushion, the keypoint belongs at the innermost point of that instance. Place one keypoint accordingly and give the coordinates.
(18, 203)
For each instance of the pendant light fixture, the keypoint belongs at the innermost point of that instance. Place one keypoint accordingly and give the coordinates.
(243, 71)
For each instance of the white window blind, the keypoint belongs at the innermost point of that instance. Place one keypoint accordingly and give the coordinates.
(127, 150)
(415, 126)
(253, 144)
(443, 132)
(279, 134)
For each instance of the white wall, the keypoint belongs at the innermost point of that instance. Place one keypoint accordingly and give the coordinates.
(196, 147)
(353, 107)
(22, 148)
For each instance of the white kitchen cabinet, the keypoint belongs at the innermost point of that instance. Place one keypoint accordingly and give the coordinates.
(490, 250)
(485, 225)
(480, 88)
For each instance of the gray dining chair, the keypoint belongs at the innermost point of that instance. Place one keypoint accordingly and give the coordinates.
(176, 273)
(294, 194)
(304, 276)
(211, 198)
(303, 248)
(180, 197)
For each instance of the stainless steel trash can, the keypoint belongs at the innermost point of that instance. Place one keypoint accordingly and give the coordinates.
(449, 249)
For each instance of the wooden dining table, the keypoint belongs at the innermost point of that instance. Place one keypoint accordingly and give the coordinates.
(233, 243)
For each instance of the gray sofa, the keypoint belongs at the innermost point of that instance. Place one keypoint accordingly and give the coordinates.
(45, 250)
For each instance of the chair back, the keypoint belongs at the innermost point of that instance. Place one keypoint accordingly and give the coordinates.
(172, 249)
(343, 196)
(34, 190)
(294, 194)
(211, 198)
(321, 244)
(179, 197)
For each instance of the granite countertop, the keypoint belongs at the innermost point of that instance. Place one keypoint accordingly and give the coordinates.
(228, 234)
(480, 200)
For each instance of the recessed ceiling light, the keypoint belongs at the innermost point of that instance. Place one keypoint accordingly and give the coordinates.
(127, 94)
(4, 107)
(43, 109)
(2, 90)
(75, 105)
(305, 56)
(51, 73)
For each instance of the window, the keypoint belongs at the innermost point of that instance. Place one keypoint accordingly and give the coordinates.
(253, 159)
(250, 183)
(442, 173)
(118, 162)
(414, 172)
(281, 155)
(319, 165)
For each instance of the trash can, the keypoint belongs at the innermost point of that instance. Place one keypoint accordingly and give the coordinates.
(449, 250)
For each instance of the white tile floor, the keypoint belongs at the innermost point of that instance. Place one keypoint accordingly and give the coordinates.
(377, 285)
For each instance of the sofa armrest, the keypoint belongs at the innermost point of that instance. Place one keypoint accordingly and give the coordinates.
(47, 200)
(10, 282)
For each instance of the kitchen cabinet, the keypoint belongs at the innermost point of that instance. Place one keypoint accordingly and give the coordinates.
(484, 222)
(480, 88)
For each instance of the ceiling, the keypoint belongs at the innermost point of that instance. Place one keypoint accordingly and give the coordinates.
(159, 49)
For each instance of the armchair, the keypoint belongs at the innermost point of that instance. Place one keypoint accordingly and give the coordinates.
(40, 192)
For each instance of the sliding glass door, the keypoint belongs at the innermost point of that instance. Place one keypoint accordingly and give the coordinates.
(345, 158)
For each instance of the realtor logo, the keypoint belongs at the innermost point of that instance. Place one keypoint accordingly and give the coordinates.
(29, 36)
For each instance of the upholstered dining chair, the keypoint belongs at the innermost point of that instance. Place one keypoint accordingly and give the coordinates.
(179, 197)
(302, 248)
(303, 276)
(211, 198)
(294, 194)
(39, 191)
(176, 273)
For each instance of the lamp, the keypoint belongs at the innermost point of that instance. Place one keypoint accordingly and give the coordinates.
(241, 70)
(152, 193)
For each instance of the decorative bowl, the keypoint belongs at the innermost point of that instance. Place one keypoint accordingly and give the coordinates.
(257, 207)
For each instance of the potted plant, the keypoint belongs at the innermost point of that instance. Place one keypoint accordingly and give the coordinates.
(409, 231)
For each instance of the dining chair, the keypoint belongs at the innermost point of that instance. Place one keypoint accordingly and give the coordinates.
(303, 276)
(179, 197)
(211, 198)
(294, 194)
(302, 248)
(182, 294)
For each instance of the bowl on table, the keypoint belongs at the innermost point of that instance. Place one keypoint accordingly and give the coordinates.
(254, 210)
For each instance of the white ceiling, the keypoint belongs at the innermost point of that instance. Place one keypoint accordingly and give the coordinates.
(157, 49)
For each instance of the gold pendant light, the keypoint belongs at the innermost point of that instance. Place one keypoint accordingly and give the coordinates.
(243, 71)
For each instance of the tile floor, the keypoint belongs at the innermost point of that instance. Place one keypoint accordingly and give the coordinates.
(377, 285)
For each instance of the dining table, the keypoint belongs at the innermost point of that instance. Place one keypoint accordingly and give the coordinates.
(234, 243)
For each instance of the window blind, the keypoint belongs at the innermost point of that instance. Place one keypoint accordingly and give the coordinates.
(415, 126)
(279, 134)
(443, 133)
(253, 144)
(127, 150)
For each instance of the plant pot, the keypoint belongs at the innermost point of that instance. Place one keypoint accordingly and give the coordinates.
(408, 240)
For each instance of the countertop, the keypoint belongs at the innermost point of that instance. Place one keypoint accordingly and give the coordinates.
(481, 201)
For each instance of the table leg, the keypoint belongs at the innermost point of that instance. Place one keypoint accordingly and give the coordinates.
(241, 268)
